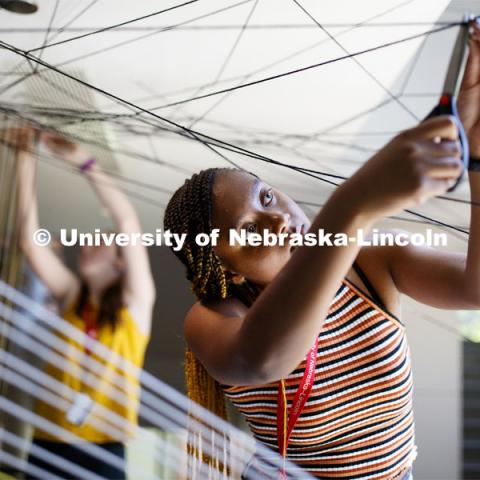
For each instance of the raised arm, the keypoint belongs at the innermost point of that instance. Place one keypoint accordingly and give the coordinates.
(440, 278)
(269, 340)
(139, 292)
(62, 282)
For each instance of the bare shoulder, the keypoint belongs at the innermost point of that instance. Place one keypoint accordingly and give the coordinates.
(376, 261)
(377, 258)
(397, 245)
(202, 312)
(212, 332)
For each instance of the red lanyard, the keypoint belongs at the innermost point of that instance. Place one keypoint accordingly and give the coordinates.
(90, 327)
(284, 428)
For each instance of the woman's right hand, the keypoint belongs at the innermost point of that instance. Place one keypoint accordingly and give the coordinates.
(417, 164)
(22, 139)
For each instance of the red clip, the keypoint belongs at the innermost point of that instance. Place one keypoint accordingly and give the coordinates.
(445, 99)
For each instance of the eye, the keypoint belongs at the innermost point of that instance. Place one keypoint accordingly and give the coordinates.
(268, 197)
(252, 228)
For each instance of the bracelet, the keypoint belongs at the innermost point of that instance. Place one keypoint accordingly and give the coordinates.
(473, 164)
(87, 165)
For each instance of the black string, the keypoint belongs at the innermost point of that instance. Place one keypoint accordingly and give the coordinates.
(447, 25)
(199, 136)
(390, 217)
(226, 62)
(93, 115)
(269, 26)
(61, 29)
(446, 225)
(281, 60)
(142, 37)
(251, 154)
(47, 34)
(8, 87)
(242, 85)
(411, 69)
(348, 120)
(310, 67)
(427, 220)
(67, 168)
(35, 67)
(111, 27)
(130, 193)
(370, 75)
(132, 181)
(316, 174)
(42, 95)
(134, 155)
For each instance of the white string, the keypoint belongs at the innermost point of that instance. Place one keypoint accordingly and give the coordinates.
(23, 466)
(57, 401)
(45, 425)
(177, 456)
(51, 356)
(48, 457)
(100, 350)
(159, 419)
(39, 376)
(39, 392)
(175, 401)
(174, 462)
(21, 339)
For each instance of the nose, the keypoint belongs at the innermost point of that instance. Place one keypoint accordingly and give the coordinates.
(279, 222)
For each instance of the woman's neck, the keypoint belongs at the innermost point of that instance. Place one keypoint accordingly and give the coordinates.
(95, 296)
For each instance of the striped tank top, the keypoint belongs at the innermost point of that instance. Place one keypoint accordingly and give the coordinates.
(357, 422)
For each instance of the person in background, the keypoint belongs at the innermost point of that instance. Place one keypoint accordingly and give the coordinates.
(110, 298)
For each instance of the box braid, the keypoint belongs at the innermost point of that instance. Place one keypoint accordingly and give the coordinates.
(189, 212)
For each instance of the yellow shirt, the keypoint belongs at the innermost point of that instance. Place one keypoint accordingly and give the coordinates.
(120, 396)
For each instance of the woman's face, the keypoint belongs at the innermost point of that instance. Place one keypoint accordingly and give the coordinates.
(100, 264)
(241, 201)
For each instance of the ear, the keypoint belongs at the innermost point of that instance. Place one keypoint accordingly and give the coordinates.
(236, 279)
(233, 277)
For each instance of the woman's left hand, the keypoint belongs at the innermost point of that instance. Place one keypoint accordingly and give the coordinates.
(469, 96)
(68, 150)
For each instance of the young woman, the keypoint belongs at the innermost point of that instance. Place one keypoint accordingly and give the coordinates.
(110, 298)
(324, 320)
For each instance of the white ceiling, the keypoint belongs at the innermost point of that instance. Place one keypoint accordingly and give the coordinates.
(274, 118)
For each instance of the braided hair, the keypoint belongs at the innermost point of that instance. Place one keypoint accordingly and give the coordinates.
(189, 212)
